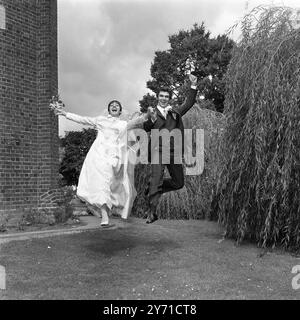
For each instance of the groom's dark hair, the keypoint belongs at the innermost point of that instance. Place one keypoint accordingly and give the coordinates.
(116, 101)
(164, 89)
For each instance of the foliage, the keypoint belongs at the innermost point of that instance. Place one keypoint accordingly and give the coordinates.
(76, 145)
(258, 191)
(207, 104)
(211, 56)
(148, 100)
(34, 216)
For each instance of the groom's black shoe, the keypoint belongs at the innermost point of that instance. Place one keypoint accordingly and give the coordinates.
(152, 217)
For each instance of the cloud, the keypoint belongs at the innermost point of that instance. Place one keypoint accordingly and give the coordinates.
(106, 47)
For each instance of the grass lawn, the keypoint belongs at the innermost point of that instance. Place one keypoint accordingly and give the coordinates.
(166, 260)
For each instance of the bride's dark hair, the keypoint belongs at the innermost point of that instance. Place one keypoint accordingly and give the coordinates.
(116, 101)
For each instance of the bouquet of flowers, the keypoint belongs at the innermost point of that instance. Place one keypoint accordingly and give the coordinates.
(56, 100)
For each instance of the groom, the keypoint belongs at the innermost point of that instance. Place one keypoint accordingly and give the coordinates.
(165, 117)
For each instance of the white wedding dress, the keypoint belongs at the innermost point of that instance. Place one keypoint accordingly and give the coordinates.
(107, 175)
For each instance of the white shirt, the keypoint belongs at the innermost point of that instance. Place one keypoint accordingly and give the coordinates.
(164, 111)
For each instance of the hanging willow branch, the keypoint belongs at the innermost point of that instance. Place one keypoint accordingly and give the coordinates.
(258, 192)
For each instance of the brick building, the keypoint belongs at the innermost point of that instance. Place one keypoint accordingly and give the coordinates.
(28, 129)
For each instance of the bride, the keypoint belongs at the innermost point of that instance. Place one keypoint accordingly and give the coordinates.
(107, 175)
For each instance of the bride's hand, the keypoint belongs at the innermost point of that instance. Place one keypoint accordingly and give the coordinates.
(57, 108)
(151, 113)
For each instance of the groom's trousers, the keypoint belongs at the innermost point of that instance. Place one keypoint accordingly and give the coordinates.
(159, 185)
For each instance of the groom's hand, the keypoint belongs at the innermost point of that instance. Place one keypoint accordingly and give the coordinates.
(193, 80)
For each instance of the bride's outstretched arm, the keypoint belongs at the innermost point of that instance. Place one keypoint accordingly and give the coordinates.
(137, 121)
(80, 119)
(72, 116)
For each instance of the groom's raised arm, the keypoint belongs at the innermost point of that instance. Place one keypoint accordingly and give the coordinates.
(190, 98)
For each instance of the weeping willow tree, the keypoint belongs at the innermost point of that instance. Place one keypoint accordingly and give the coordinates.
(258, 191)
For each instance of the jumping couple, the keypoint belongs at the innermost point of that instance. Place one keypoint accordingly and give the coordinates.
(106, 179)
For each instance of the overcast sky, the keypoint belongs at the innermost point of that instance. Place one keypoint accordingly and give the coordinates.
(106, 46)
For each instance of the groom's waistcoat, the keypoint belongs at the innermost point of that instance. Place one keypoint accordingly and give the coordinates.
(171, 122)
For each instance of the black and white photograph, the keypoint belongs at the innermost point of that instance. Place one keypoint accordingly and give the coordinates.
(150, 152)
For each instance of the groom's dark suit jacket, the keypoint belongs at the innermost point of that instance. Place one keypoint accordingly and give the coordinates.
(173, 121)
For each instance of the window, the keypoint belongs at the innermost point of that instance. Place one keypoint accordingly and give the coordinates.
(2, 17)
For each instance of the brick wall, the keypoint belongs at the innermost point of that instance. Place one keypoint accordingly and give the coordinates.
(28, 130)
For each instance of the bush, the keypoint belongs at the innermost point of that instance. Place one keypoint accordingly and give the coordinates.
(257, 196)
(73, 150)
